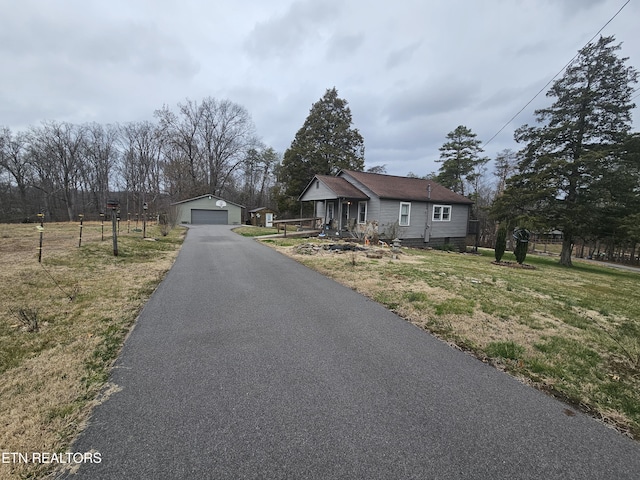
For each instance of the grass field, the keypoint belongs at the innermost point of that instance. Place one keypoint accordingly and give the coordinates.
(62, 323)
(573, 332)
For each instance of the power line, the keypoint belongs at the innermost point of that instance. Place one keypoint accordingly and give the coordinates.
(554, 77)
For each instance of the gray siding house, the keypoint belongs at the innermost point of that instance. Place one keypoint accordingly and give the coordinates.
(420, 212)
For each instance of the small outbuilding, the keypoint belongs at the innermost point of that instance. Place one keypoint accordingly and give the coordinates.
(208, 210)
(262, 217)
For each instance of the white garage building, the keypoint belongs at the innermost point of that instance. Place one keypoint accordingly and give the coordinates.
(208, 210)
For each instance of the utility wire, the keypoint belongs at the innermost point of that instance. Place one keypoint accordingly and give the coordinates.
(554, 77)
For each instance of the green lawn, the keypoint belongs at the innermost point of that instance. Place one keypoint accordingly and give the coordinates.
(250, 231)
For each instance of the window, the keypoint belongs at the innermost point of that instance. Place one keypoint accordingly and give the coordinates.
(441, 213)
(405, 214)
(362, 212)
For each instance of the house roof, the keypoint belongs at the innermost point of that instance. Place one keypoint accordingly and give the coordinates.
(206, 196)
(341, 187)
(405, 188)
(260, 209)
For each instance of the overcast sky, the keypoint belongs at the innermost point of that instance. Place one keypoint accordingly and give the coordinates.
(411, 70)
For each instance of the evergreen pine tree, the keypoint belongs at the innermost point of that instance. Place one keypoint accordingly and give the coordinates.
(521, 240)
(325, 144)
(570, 158)
(460, 159)
(501, 242)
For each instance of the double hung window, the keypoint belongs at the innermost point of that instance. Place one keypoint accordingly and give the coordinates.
(442, 213)
(405, 214)
(362, 212)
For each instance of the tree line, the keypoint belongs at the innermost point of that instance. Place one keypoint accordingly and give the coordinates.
(577, 171)
(63, 169)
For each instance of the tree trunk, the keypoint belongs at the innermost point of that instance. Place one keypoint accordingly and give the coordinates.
(567, 249)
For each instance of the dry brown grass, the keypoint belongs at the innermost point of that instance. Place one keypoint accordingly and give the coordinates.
(86, 300)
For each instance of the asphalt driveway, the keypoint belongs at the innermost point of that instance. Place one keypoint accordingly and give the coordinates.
(246, 365)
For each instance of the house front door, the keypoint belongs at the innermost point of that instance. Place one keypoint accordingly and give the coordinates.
(345, 215)
(268, 219)
(330, 214)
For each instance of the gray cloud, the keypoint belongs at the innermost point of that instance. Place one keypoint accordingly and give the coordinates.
(411, 71)
(430, 98)
(402, 55)
(343, 46)
(300, 26)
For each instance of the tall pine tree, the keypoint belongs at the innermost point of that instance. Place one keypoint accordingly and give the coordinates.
(326, 143)
(569, 159)
(460, 159)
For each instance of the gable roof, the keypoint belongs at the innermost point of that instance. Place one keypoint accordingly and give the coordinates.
(405, 188)
(207, 195)
(260, 209)
(342, 187)
(338, 185)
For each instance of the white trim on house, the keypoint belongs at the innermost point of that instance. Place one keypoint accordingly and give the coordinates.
(402, 214)
(441, 213)
(362, 214)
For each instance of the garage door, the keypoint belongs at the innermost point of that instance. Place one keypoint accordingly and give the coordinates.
(209, 217)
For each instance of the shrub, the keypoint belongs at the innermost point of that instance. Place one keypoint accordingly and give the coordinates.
(501, 242)
(521, 238)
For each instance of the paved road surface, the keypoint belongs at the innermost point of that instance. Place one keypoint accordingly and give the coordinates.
(246, 365)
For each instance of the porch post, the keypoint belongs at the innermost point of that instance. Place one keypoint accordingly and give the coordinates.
(315, 213)
(325, 214)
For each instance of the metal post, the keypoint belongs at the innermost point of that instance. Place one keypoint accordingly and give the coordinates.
(80, 238)
(114, 232)
(144, 220)
(102, 220)
(41, 215)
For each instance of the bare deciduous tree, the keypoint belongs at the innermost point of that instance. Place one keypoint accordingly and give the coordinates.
(141, 163)
(14, 160)
(56, 151)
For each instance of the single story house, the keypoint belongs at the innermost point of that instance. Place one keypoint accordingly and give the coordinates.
(208, 210)
(262, 217)
(419, 212)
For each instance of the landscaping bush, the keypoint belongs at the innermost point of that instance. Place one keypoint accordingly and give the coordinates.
(521, 238)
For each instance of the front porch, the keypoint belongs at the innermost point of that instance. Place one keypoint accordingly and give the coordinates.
(340, 216)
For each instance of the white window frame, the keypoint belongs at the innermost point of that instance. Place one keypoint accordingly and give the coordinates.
(408, 223)
(362, 220)
(439, 213)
